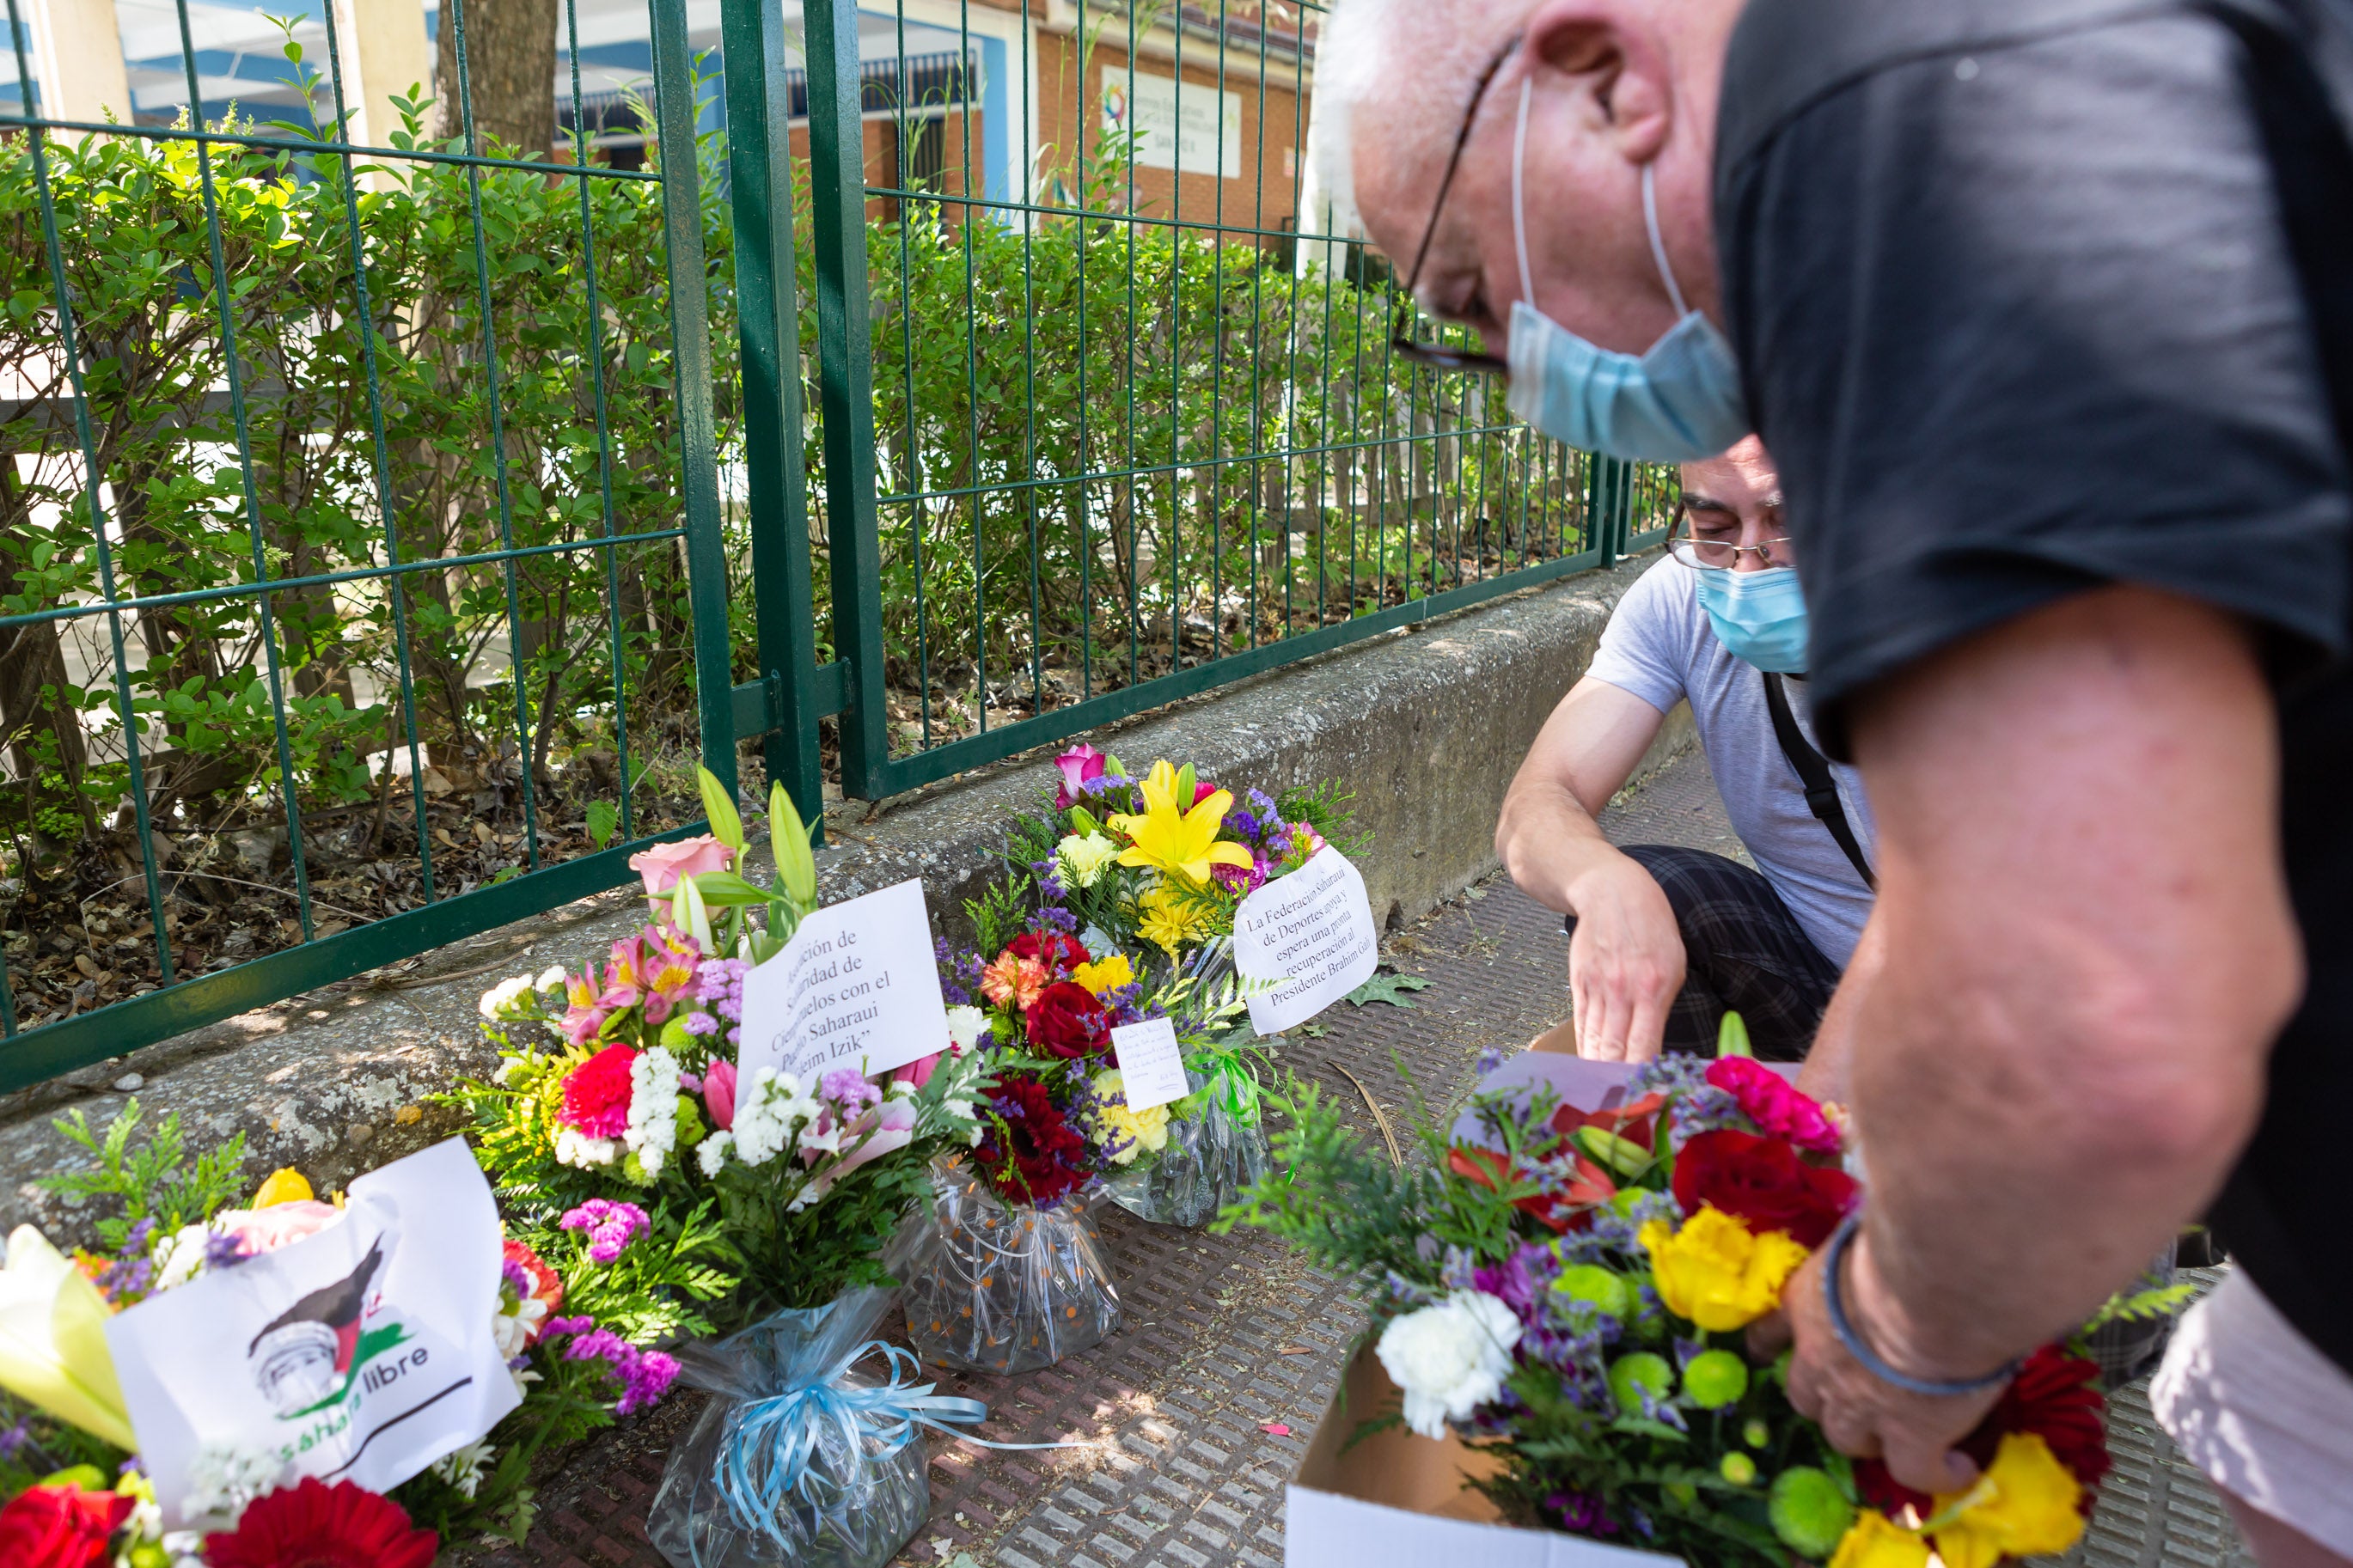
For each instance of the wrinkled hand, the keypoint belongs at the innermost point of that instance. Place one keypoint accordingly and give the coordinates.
(1863, 1416)
(1626, 964)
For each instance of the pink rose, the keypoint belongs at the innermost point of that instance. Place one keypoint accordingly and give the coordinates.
(919, 1072)
(266, 1230)
(1078, 765)
(1775, 1104)
(665, 865)
(719, 1094)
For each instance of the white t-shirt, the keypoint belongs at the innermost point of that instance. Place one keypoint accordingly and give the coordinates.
(1660, 646)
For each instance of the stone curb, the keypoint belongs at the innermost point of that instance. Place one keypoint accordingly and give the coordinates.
(1425, 725)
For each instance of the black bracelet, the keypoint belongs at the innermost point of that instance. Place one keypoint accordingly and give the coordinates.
(1835, 1303)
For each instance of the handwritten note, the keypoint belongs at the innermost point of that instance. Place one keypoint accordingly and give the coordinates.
(1312, 935)
(1149, 1063)
(856, 986)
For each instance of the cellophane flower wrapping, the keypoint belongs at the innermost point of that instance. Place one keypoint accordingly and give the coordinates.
(1217, 1147)
(856, 1504)
(1003, 1288)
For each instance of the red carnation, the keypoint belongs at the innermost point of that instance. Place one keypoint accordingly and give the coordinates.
(1761, 1181)
(1067, 1021)
(315, 1525)
(1029, 1150)
(596, 1093)
(59, 1527)
(2056, 1396)
(1059, 953)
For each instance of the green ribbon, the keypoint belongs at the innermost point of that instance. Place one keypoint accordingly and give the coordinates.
(1242, 1087)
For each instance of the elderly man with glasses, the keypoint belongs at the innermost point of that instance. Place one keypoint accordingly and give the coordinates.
(2045, 307)
(1663, 940)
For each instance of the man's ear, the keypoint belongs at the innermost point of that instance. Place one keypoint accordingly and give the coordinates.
(1614, 58)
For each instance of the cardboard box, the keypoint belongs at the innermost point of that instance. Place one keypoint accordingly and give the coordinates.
(1396, 1500)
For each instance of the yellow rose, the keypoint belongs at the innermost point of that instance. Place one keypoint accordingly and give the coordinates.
(1875, 1543)
(2024, 1506)
(1715, 1272)
(1083, 857)
(1108, 975)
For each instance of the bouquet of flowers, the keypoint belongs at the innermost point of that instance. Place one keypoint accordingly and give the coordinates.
(77, 1496)
(618, 1112)
(1139, 879)
(617, 1091)
(1568, 1286)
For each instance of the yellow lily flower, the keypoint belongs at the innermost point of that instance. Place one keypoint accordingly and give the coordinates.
(2024, 1506)
(285, 1186)
(1179, 838)
(53, 1339)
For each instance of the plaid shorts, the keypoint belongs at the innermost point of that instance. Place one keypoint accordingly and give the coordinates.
(1744, 952)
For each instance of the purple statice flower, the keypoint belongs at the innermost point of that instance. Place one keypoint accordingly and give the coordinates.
(224, 1251)
(1125, 1003)
(1640, 1521)
(1244, 823)
(953, 987)
(847, 1087)
(1054, 918)
(1706, 1109)
(1261, 805)
(134, 1271)
(1673, 1072)
(1405, 1291)
(134, 1463)
(1460, 1271)
(700, 1023)
(15, 1438)
(1520, 1281)
(1049, 873)
(1103, 784)
(611, 1226)
(1489, 1060)
(720, 987)
(1582, 1513)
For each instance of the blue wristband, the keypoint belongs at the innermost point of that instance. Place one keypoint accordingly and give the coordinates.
(1835, 1303)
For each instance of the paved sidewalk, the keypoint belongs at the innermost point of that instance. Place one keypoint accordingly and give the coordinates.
(1228, 1336)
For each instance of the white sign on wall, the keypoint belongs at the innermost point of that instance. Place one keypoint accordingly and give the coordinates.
(1201, 128)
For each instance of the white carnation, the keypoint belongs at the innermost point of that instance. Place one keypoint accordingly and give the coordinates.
(965, 1027)
(767, 1117)
(1450, 1359)
(180, 1255)
(500, 998)
(552, 978)
(712, 1152)
(573, 1147)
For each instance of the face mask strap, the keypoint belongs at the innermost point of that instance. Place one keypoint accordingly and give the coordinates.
(1650, 217)
(1519, 164)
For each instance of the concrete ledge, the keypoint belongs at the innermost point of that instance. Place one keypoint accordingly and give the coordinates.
(1425, 725)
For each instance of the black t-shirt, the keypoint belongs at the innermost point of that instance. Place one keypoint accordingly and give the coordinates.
(2015, 289)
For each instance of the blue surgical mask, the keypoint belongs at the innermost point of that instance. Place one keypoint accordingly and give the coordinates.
(1760, 617)
(1678, 402)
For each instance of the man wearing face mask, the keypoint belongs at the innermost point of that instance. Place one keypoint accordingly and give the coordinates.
(2045, 308)
(1664, 939)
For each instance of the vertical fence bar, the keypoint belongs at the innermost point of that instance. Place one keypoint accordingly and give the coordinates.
(845, 374)
(760, 186)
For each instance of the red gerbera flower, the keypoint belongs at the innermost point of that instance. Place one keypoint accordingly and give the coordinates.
(1029, 1150)
(2056, 1396)
(596, 1093)
(314, 1525)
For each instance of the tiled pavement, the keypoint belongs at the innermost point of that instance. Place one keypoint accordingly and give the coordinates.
(1228, 1336)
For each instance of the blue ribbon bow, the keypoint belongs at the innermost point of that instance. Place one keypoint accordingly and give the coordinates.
(771, 1451)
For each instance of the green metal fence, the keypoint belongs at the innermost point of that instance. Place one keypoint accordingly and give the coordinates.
(386, 528)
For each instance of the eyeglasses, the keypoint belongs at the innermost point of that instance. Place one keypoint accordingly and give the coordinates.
(1715, 555)
(1440, 356)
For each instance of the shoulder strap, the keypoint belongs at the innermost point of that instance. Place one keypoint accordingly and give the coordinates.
(1814, 773)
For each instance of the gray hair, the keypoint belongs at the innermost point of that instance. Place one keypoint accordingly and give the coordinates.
(1425, 52)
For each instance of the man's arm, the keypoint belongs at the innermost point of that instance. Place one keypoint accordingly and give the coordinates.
(2088, 949)
(1827, 1070)
(1626, 960)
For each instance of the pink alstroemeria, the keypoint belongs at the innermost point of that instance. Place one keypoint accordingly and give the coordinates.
(585, 1017)
(625, 977)
(672, 960)
(719, 1094)
(664, 865)
(1079, 765)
